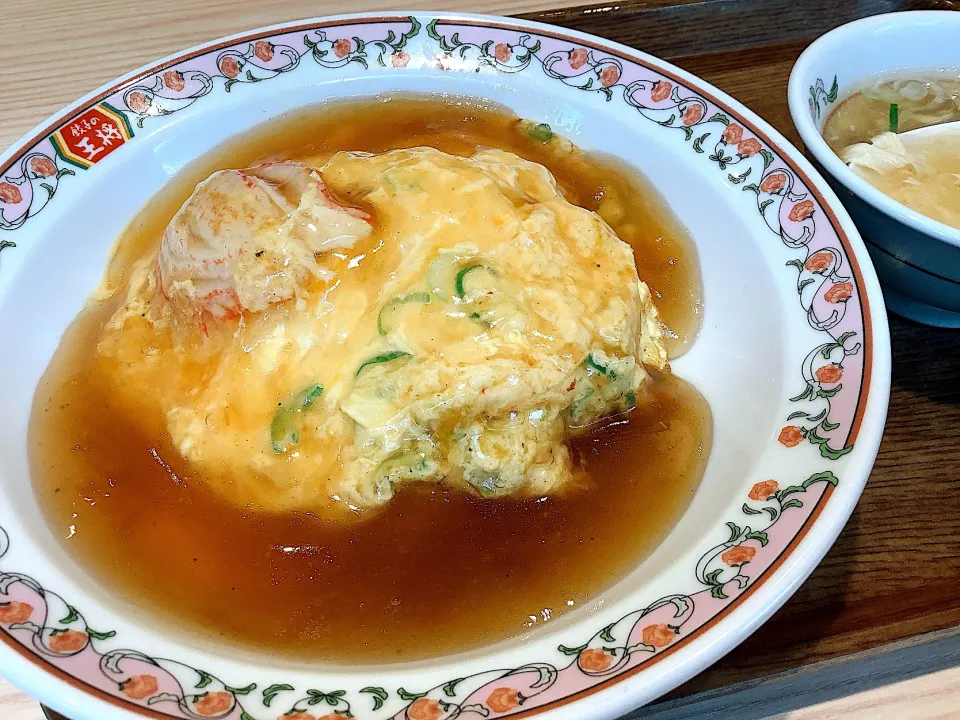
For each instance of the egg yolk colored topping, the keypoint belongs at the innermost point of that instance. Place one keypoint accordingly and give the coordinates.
(315, 338)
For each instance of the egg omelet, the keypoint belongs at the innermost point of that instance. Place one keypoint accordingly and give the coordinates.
(318, 338)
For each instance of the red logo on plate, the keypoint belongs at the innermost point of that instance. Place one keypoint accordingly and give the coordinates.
(91, 136)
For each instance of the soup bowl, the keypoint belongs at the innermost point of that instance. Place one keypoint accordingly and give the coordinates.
(793, 358)
(917, 258)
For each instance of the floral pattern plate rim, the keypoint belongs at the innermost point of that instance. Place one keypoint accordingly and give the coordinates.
(761, 554)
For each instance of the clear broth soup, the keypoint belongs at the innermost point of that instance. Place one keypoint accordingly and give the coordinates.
(923, 173)
(921, 100)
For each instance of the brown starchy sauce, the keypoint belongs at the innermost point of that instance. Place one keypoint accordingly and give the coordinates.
(435, 571)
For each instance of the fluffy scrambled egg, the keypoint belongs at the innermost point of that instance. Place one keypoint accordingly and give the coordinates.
(443, 319)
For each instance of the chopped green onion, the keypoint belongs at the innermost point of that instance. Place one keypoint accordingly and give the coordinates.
(441, 273)
(458, 283)
(306, 397)
(477, 317)
(600, 368)
(282, 432)
(385, 320)
(385, 357)
(541, 133)
(894, 117)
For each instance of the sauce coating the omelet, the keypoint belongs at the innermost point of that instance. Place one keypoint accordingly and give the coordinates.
(497, 315)
(437, 569)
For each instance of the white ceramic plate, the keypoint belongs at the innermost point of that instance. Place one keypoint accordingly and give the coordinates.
(793, 358)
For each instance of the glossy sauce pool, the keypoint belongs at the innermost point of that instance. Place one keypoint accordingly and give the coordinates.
(435, 571)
